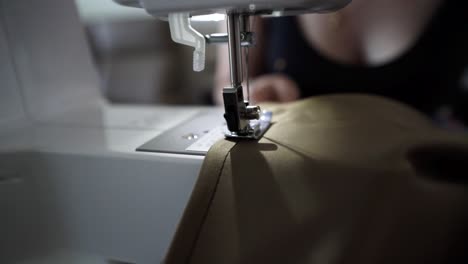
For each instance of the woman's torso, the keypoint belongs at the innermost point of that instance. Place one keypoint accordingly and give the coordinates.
(419, 61)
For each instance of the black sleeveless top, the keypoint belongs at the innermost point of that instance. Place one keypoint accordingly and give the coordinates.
(426, 76)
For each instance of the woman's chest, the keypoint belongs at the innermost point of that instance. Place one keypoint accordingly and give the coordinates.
(369, 32)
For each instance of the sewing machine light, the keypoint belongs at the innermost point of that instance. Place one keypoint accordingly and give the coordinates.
(216, 17)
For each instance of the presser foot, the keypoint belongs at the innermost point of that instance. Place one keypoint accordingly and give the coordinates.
(255, 128)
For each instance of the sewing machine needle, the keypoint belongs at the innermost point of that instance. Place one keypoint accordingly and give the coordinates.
(247, 73)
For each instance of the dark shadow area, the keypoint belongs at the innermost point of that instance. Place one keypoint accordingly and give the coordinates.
(441, 162)
(258, 202)
(268, 229)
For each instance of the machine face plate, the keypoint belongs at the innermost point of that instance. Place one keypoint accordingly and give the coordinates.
(196, 136)
(183, 138)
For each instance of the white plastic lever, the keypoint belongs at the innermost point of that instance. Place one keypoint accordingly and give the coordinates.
(183, 33)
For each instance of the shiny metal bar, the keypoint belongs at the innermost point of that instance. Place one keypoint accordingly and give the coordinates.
(247, 39)
(234, 43)
(218, 38)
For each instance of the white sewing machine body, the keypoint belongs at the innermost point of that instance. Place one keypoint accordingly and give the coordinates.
(163, 7)
(70, 178)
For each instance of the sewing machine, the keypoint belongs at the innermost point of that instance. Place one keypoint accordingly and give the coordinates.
(243, 120)
(72, 185)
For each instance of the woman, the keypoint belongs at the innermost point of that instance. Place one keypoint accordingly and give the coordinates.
(411, 51)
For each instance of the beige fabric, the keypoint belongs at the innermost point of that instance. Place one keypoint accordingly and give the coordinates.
(198, 206)
(330, 182)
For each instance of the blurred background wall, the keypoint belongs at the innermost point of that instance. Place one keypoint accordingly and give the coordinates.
(137, 60)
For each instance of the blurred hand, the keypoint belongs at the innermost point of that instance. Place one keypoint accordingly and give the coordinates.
(274, 88)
